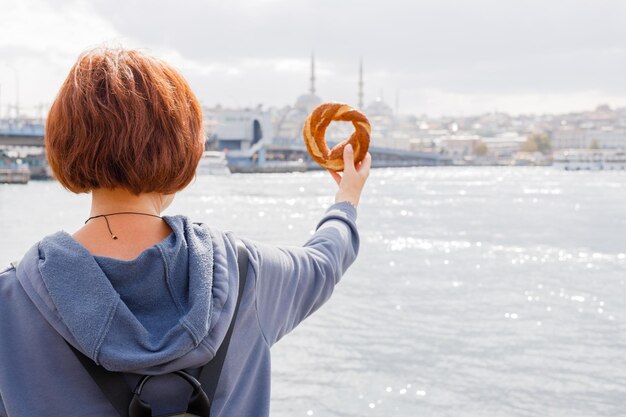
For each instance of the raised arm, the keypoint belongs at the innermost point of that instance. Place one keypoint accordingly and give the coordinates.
(293, 282)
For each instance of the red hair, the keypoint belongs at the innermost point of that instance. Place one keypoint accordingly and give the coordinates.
(123, 119)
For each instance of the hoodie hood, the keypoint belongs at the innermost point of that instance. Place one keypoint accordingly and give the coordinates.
(72, 291)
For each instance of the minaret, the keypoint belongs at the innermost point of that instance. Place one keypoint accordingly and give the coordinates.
(312, 89)
(397, 102)
(361, 84)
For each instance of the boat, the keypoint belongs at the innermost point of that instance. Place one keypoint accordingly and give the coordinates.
(590, 160)
(13, 170)
(213, 163)
(14, 176)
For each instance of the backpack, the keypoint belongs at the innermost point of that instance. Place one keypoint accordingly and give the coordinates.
(129, 403)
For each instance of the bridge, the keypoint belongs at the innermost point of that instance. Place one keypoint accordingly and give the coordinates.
(21, 134)
(21, 140)
(381, 156)
(32, 134)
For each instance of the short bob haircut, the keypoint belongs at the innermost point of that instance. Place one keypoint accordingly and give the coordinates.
(123, 119)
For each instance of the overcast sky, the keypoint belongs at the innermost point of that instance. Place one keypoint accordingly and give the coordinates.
(438, 57)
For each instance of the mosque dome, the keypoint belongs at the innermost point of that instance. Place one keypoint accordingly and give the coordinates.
(379, 108)
(307, 102)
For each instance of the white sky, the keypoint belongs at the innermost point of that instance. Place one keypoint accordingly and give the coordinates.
(440, 56)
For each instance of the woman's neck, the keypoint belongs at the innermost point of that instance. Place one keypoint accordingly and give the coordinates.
(117, 200)
(123, 236)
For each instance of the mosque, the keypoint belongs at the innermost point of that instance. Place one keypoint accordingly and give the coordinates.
(289, 122)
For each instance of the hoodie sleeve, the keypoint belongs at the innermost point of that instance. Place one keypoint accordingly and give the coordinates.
(293, 282)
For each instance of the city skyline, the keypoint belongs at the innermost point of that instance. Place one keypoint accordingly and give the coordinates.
(438, 58)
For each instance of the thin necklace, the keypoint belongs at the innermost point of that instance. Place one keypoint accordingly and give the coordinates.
(114, 237)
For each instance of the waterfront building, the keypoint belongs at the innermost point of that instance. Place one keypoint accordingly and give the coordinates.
(483, 150)
(588, 136)
(504, 145)
(241, 130)
(460, 146)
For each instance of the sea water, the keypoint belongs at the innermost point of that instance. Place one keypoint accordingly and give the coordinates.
(477, 291)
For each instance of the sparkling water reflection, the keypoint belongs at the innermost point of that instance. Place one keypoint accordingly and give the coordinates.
(478, 291)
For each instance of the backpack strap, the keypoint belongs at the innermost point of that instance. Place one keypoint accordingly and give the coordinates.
(113, 384)
(210, 374)
(10, 266)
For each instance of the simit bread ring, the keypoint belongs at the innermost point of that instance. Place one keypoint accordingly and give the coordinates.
(315, 128)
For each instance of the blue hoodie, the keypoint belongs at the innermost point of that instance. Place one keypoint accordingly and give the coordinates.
(168, 309)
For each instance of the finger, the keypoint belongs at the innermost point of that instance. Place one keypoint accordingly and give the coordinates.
(366, 164)
(335, 176)
(348, 158)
